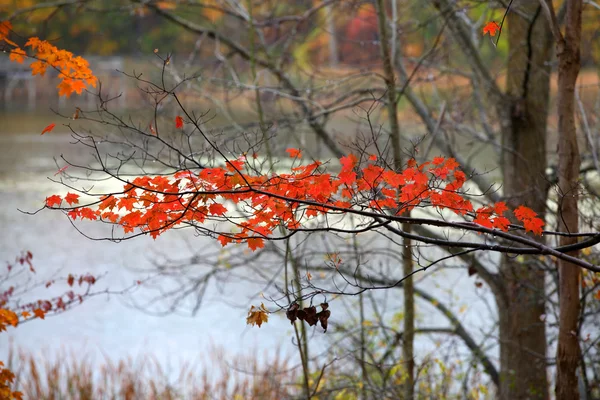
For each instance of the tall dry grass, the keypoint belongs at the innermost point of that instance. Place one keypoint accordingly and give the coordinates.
(67, 376)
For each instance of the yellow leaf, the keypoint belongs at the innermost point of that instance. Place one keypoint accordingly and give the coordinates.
(257, 315)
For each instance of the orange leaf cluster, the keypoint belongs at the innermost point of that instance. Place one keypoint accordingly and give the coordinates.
(155, 204)
(7, 378)
(7, 317)
(74, 71)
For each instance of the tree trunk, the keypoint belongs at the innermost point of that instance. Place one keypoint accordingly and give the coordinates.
(407, 257)
(521, 306)
(332, 41)
(568, 351)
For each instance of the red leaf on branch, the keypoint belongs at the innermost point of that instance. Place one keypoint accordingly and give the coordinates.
(178, 122)
(255, 243)
(39, 313)
(534, 225)
(72, 198)
(348, 162)
(294, 153)
(523, 213)
(48, 128)
(492, 28)
(53, 200)
(217, 209)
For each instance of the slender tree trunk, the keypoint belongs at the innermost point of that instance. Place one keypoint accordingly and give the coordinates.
(407, 260)
(521, 306)
(333, 43)
(568, 53)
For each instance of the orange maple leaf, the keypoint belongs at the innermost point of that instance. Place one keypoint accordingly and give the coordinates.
(17, 55)
(39, 313)
(65, 88)
(257, 315)
(492, 28)
(48, 128)
(255, 243)
(8, 317)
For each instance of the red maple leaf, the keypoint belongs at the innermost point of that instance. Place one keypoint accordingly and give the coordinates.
(217, 209)
(294, 153)
(178, 122)
(522, 213)
(492, 28)
(72, 198)
(534, 225)
(53, 200)
(348, 162)
(48, 128)
(255, 243)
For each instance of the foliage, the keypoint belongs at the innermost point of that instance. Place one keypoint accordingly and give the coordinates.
(73, 71)
(155, 204)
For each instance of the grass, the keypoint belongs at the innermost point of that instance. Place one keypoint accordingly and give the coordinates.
(68, 376)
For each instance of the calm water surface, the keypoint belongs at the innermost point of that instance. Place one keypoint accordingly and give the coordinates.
(108, 325)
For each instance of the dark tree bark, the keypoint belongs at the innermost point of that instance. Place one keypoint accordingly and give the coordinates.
(521, 304)
(568, 53)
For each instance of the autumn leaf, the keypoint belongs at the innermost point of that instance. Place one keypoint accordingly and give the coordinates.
(373, 157)
(72, 198)
(178, 122)
(53, 200)
(8, 317)
(224, 240)
(529, 218)
(233, 165)
(39, 313)
(17, 55)
(492, 28)
(294, 153)
(534, 225)
(348, 162)
(255, 243)
(523, 213)
(48, 128)
(25, 314)
(257, 315)
(217, 209)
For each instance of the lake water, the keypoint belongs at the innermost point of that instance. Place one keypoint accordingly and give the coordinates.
(108, 325)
